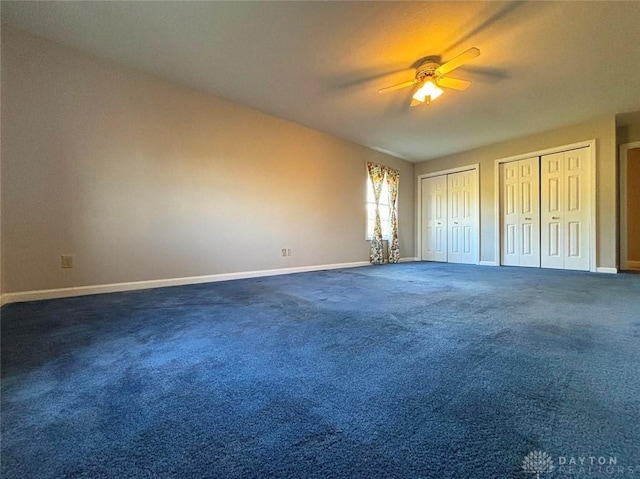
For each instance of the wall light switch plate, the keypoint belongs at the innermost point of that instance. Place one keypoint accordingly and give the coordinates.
(66, 261)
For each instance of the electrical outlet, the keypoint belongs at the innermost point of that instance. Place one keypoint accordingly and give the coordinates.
(66, 261)
(284, 251)
(288, 252)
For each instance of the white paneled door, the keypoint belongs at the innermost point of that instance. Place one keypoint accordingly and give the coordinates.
(565, 210)
(462, 217)
(545, 211)
(520, 219)
(449, 215)
(434, 218)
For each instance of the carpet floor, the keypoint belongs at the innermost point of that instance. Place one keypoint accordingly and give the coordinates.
(415, 370)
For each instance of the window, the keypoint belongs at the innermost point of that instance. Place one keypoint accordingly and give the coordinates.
(385, 210)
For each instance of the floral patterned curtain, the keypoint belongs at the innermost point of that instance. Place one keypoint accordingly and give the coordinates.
(376, 173)
(393, 179)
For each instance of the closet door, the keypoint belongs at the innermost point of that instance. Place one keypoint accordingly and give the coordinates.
(434, 218)
(565, 217)
(552, 211)
(520, 213)
(462, 214)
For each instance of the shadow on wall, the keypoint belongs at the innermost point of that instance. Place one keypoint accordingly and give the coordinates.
(627, 127)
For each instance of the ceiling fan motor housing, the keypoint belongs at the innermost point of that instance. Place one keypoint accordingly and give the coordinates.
(426, 70)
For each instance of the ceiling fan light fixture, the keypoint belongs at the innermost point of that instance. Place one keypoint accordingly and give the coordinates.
(428, 92)
(430, 76)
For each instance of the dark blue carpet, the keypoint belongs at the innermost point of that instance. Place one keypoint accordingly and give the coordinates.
(414, 370)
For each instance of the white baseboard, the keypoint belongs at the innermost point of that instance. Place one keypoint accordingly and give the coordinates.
(408, 260)
(598, 270)
(23, 296)
(601, 269)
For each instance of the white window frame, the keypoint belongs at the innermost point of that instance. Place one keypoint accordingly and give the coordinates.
(370, 206)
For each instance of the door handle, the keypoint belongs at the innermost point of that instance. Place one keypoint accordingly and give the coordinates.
(555, 217)
(527, 219)
(455, 222)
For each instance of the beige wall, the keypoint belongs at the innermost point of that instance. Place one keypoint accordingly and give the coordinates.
(633, 205)
(602, 129)
(142, 179)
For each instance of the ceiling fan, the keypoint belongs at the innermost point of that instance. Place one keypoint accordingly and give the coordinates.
(432, 76)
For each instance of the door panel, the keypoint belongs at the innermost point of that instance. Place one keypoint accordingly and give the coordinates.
(509, 207)
(573, 232)
(434, 218)
(527, 240)
(455, 241)
(462, 217)
(552, 244)
(577, 219)
(520, 213)
(566, 189)
(529, 214)
(467, 240)
(555, 245)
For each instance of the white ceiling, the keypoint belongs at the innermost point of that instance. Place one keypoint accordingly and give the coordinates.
(542, 65)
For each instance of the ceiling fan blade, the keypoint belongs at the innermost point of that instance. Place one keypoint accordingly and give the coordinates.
(398, 86)
(461, 59)
(453, 83)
